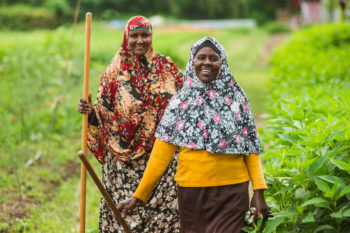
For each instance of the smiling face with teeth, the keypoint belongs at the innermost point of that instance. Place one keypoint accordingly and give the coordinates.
(207, 64)
(139, 41)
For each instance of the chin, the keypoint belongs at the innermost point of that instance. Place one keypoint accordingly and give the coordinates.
(206, 80)
(139, 54)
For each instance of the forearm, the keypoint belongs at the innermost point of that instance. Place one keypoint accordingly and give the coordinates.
(160, 158)
(100, 115)
(255, 172)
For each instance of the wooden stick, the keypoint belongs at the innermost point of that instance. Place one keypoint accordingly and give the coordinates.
(85, 121)
(104, 192)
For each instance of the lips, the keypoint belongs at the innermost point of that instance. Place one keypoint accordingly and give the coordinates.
(206, 71)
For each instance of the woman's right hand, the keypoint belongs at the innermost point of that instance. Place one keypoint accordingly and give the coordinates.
(85, 106)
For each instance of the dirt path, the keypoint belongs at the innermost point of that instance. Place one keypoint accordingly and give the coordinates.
(270, 45)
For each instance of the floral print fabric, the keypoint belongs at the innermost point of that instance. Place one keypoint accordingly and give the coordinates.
(215, 117)
(159, 215)
(132, 96)
(131, 99)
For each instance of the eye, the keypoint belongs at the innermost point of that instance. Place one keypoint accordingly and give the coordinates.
(214, 58)
(200, 57)
(134, 35)
(145, 35)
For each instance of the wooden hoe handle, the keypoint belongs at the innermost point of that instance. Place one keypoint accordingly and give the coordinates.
(85, 120)
(104, 193)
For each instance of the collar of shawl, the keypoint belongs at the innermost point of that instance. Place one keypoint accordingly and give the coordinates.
(215, 117)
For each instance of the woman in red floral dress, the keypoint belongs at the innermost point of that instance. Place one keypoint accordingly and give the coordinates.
(133, 93)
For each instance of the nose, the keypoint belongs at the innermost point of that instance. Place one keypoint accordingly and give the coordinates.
(139, 40)
(207, 61)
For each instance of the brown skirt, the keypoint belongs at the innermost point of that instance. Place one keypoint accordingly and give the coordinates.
(217, 209)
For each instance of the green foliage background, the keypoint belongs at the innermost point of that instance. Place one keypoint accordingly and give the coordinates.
(40, 88)
(25, 15)
(307, 157)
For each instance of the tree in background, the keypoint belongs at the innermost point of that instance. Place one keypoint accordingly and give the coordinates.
(262, 11)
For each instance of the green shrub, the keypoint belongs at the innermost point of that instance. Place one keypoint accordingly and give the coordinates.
(307, 142)
(276, 27)
(25, 17)
(60, 7)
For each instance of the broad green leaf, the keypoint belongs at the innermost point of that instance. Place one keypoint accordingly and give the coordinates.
(307, 163)
(309, 218)
(323, 227)
(273, 224)
(313, 201)
(337, 151)
(287, 109)
(333, 179)
(331, 193)
(341, 165)
(248, 229)
(299, 179)
(324, 205)
(317, 164)
(339, 214)
(308, 141)
(343, 192)
(346, 213)
(298, 115)
(329, 137)
(286, 138)
(311, 119)
(283, 190)
(323, 186)
(287, 214)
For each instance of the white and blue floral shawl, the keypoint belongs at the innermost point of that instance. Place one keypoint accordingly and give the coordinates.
(215, 117)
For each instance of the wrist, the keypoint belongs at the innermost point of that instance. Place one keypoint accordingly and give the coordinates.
(138, 201)
(259, 191)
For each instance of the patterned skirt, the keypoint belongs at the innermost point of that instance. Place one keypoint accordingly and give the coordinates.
(121, 179)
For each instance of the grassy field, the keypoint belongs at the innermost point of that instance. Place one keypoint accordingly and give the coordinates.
(40, 126)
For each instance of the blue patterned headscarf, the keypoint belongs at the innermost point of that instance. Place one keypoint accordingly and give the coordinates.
(215, 117)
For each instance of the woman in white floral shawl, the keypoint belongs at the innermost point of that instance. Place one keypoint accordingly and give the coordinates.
(211, 123)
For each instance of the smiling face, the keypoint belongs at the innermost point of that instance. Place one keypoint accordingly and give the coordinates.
(139, 42)
(207, 64)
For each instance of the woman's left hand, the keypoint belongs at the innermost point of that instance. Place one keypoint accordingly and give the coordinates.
(258, 201)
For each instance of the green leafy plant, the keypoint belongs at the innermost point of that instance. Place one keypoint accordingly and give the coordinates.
(308, 136)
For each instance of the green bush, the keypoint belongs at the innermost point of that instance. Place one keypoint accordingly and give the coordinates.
(25, 17)
(307, 142)
(60, 7)
(276, 27)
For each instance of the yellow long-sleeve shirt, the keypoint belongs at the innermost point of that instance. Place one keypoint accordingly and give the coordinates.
(199, 168)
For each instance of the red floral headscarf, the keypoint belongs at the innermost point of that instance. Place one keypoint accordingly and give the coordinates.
(131, 99)
(134, 24)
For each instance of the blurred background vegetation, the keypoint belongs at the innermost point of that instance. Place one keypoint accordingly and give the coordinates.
(299, 96)
(23, 14)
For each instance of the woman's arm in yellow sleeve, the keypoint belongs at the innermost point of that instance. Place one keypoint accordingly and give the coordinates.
(161, 155)
(255, 171)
